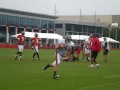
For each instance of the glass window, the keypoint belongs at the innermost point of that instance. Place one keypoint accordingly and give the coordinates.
(44, 24)
(20, 30)
(12, 31)
(78, 28)
(71, 33)
(36, 30)
(29, 29)
(69, 27)
(44, 31)
(4, 20)
(0, 19)
(91, 29)
(58, 25)
(85, 28)
(51, 24)
(98, 29)
(2, 34)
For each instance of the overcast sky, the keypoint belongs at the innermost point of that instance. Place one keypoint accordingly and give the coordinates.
(65, 7)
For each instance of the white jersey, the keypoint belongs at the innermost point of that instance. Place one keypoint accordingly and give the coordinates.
(62, 51)
(68, 45)
(86, 44)
(71, 43)
(105, 45)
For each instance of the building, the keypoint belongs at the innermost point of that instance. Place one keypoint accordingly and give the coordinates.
(85, 24)
(14, 21)
(79, 28)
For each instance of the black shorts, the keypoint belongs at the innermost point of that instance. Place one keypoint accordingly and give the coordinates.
(105, 52)
(94, 54)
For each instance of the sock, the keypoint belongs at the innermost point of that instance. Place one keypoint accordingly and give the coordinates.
(34, 55)
(38, 55)
(20, 56)
(54, 73)
(48, 65)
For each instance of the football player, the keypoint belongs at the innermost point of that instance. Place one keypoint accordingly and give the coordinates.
(62, 48)
(35, 45)
(21, 42)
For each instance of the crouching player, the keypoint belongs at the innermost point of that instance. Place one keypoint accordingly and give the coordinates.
(61, 51)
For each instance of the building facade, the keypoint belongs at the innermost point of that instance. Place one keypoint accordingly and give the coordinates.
(64, 27)
(84, 24)
(13, 22)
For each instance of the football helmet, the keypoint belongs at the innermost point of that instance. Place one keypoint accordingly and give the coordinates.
(36, 35)
(23, 33)
(68, 38)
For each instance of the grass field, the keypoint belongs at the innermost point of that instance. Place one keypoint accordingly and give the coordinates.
(28, 75)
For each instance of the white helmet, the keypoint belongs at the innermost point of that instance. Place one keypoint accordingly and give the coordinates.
(68, 38)
(36, 35)
(23, 33)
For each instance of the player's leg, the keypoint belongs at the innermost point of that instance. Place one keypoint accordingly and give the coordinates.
(83, 53)
(95, 61)
(20, 51)
(50, 65)
(34, 53)
(36, 48)
(17, 52)
(105, 55)
(92, 58)
(55, 64)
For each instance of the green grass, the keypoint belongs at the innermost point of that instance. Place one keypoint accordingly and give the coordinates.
(28, 75)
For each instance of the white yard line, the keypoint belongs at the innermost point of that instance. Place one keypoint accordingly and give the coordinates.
(96, 86)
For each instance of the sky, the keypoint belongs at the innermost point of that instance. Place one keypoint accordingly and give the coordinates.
(64, 7)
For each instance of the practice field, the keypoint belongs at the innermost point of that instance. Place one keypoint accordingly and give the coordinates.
(28, 75)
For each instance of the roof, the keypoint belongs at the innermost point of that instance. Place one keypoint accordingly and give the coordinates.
(41, 35)
(26, 13)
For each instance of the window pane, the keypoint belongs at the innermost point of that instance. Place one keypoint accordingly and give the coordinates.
(44, 24)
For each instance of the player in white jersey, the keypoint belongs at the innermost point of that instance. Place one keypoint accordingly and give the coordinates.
(87, 50)
(106, 49)
(62, 47)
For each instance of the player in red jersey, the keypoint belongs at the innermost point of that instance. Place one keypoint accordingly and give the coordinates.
(21, 42)
(35, 45)
(95, 49)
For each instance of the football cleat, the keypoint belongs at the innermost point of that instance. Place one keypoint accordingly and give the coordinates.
(20, 59)
(97, 65)
(32, 59)
(91, 66)
(56, 76)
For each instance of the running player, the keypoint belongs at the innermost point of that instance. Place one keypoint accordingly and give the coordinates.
(62, 47)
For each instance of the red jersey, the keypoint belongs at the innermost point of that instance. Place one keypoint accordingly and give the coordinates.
(95, 44)
(35, 41)
(21, 39)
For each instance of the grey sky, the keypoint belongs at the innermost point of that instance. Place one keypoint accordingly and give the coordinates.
(65, 7)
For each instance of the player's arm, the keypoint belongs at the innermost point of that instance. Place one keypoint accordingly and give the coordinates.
(57, 46)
